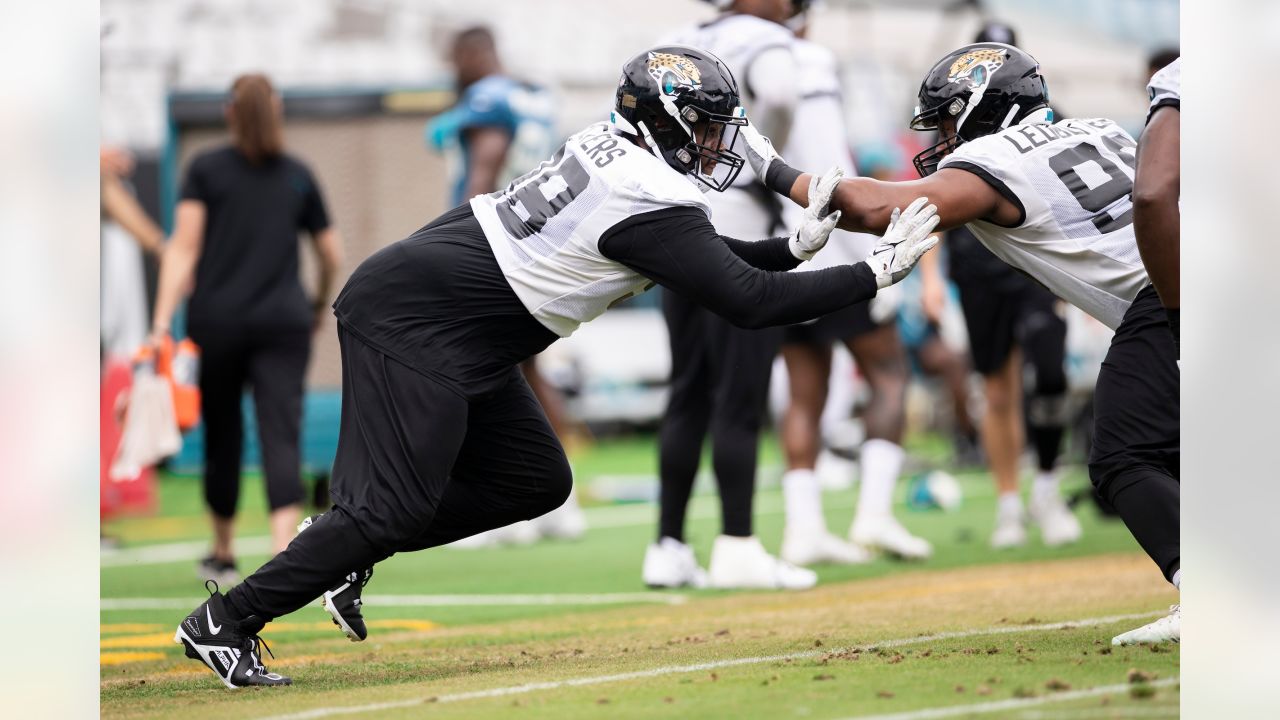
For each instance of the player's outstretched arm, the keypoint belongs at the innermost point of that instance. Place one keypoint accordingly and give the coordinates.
(866, 204)
(1157, 221)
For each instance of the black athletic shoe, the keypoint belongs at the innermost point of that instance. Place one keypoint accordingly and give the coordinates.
(229, 647)
(342, 601)
(222, 572)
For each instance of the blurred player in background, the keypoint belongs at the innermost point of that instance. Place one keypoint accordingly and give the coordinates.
(921, 323)
(868, 330)
(1034, 193)
(441, 437)
(1157, 222)
(236, 238)
(719, 372)
(1017, 335)
(499, 129)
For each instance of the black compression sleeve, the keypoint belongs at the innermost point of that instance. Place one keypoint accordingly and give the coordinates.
(682, 252)
(779, 177)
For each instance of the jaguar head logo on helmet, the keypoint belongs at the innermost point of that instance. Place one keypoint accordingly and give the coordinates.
(974, 91)
(683, 104)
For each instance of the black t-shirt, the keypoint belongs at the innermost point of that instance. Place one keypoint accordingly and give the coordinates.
(247, 274)
(438, 301)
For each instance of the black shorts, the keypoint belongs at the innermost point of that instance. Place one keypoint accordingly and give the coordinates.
(848, 322)
(1136, 406)
(998, 318)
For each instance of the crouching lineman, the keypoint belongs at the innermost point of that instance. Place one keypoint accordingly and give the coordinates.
(441, 437)
(1052, 200)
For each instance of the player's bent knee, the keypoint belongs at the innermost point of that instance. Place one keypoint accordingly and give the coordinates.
(557, 484)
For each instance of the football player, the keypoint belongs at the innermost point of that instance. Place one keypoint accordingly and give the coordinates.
(440, 435)
(1018, 342)
(1053, 200)
(869, 331)
(1157, 222)
(720, 372)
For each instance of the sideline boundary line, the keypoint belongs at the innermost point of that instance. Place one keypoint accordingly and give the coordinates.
(323, 712)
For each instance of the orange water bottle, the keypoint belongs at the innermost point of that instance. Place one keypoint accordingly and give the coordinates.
(184, 374)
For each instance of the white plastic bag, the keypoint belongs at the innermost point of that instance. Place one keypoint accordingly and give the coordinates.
(150, 427)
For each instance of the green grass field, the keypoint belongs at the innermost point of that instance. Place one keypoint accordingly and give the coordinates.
(566, 630)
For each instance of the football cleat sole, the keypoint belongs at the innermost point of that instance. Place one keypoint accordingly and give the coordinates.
(338, 620)
(195, 653)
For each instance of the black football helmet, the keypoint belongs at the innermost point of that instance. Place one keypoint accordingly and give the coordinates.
(985, 87)
(683, 102)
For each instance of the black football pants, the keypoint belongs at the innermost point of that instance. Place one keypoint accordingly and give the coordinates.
(719, 384)
(273, 361)
(1134, 463)
(417, 466)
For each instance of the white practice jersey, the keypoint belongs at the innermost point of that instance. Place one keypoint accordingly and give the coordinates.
(1165, 88)
(819, 139)
(740, 40)
(545, 227)
(1072, 180)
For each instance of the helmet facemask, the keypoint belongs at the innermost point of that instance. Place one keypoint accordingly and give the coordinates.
(926, 161)
(706, 155)
(694, 141)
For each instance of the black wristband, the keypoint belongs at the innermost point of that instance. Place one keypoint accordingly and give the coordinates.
(780, 177)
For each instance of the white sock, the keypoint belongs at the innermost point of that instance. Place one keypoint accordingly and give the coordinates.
(1009, 505)
(881, 462)
(802, 497)
(1045, 485)
(1177, 579)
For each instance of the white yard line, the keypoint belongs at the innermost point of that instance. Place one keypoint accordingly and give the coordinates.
(1010, 704)
(1106, 712)
(678, 669)
(566, 599)
(178, 552)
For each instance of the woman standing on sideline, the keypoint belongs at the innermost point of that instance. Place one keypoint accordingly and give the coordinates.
(236, 235)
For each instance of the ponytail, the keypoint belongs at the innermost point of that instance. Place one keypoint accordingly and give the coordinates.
(256, 124)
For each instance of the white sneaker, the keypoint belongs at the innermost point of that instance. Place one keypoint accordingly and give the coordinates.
(1058, 525)
(1011, 530)
(1166, 629)
(886, 534)
(814, 547)
(566, 522)
(742, 563)
(670, 563)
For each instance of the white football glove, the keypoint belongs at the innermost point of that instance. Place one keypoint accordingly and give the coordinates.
(757, 149)
(817, 224)
(904, 241)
